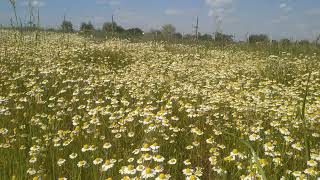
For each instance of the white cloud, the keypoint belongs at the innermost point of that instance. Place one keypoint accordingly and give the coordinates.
(220, 8)
(114, 3)
(108, 2)
(34, 3)
(173, 12)
(220, 12)
(285, 7)
(218, 3)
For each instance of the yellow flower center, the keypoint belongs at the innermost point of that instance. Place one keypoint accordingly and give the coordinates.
(145, 145)
(148, 170)
(162, 176)
(130, 167)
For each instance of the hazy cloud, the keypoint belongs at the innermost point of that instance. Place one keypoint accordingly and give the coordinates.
(280, 19)
(313, 12)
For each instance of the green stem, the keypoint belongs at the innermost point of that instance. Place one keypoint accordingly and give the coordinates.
(303, 118)
(254, 154)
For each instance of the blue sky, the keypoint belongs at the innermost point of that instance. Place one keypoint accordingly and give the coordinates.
(296, 19)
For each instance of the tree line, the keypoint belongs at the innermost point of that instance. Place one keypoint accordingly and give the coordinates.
(168, 31)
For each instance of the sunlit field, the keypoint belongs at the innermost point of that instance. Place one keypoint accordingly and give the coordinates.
(75, 108)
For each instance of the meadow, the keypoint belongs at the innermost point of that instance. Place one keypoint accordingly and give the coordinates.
(79, 109)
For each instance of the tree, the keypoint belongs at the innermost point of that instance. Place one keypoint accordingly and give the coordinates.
(206, 37)
(66, 26)
(254, 38)
(220, 37)
(86, 27)
(109, 27)
(188, 36)
(120, 29)
(156, 33)
(284, 42)
(304, 42)
(177, 35)
(134, 32)
(317, 40)
(112, 27)
(168, 30)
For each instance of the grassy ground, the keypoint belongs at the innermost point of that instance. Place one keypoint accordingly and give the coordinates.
(75, 108)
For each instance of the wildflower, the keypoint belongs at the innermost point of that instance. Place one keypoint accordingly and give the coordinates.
(158, 158)
(229, 158)
(172, 161)
(130, 134)
(288, 139)
(140, 168)
(311, 171)
(128, 170)
(198, 171)
(277, 161)
(33, 160)
(187, 171)
(195, 143)
(61, 162)
(107, 165)
(107, 145)
(31, 171)
(296, 173)
(82, 163)
(148, 173)
(297, 146)
(210, 140)
(3, 131)
(254, 137)
(163, 176)
(85, 148)
(284, 131)
(268, 146)
(234, 153)
(263, 162)
(145, 148)
(136, 151)
(158, 169)
(73, 155)
(187, 162)
(213, 160)
(154, 147)
(130, 160)
(192, 177)
(312, 163)
(118, 135)
(97, 161)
